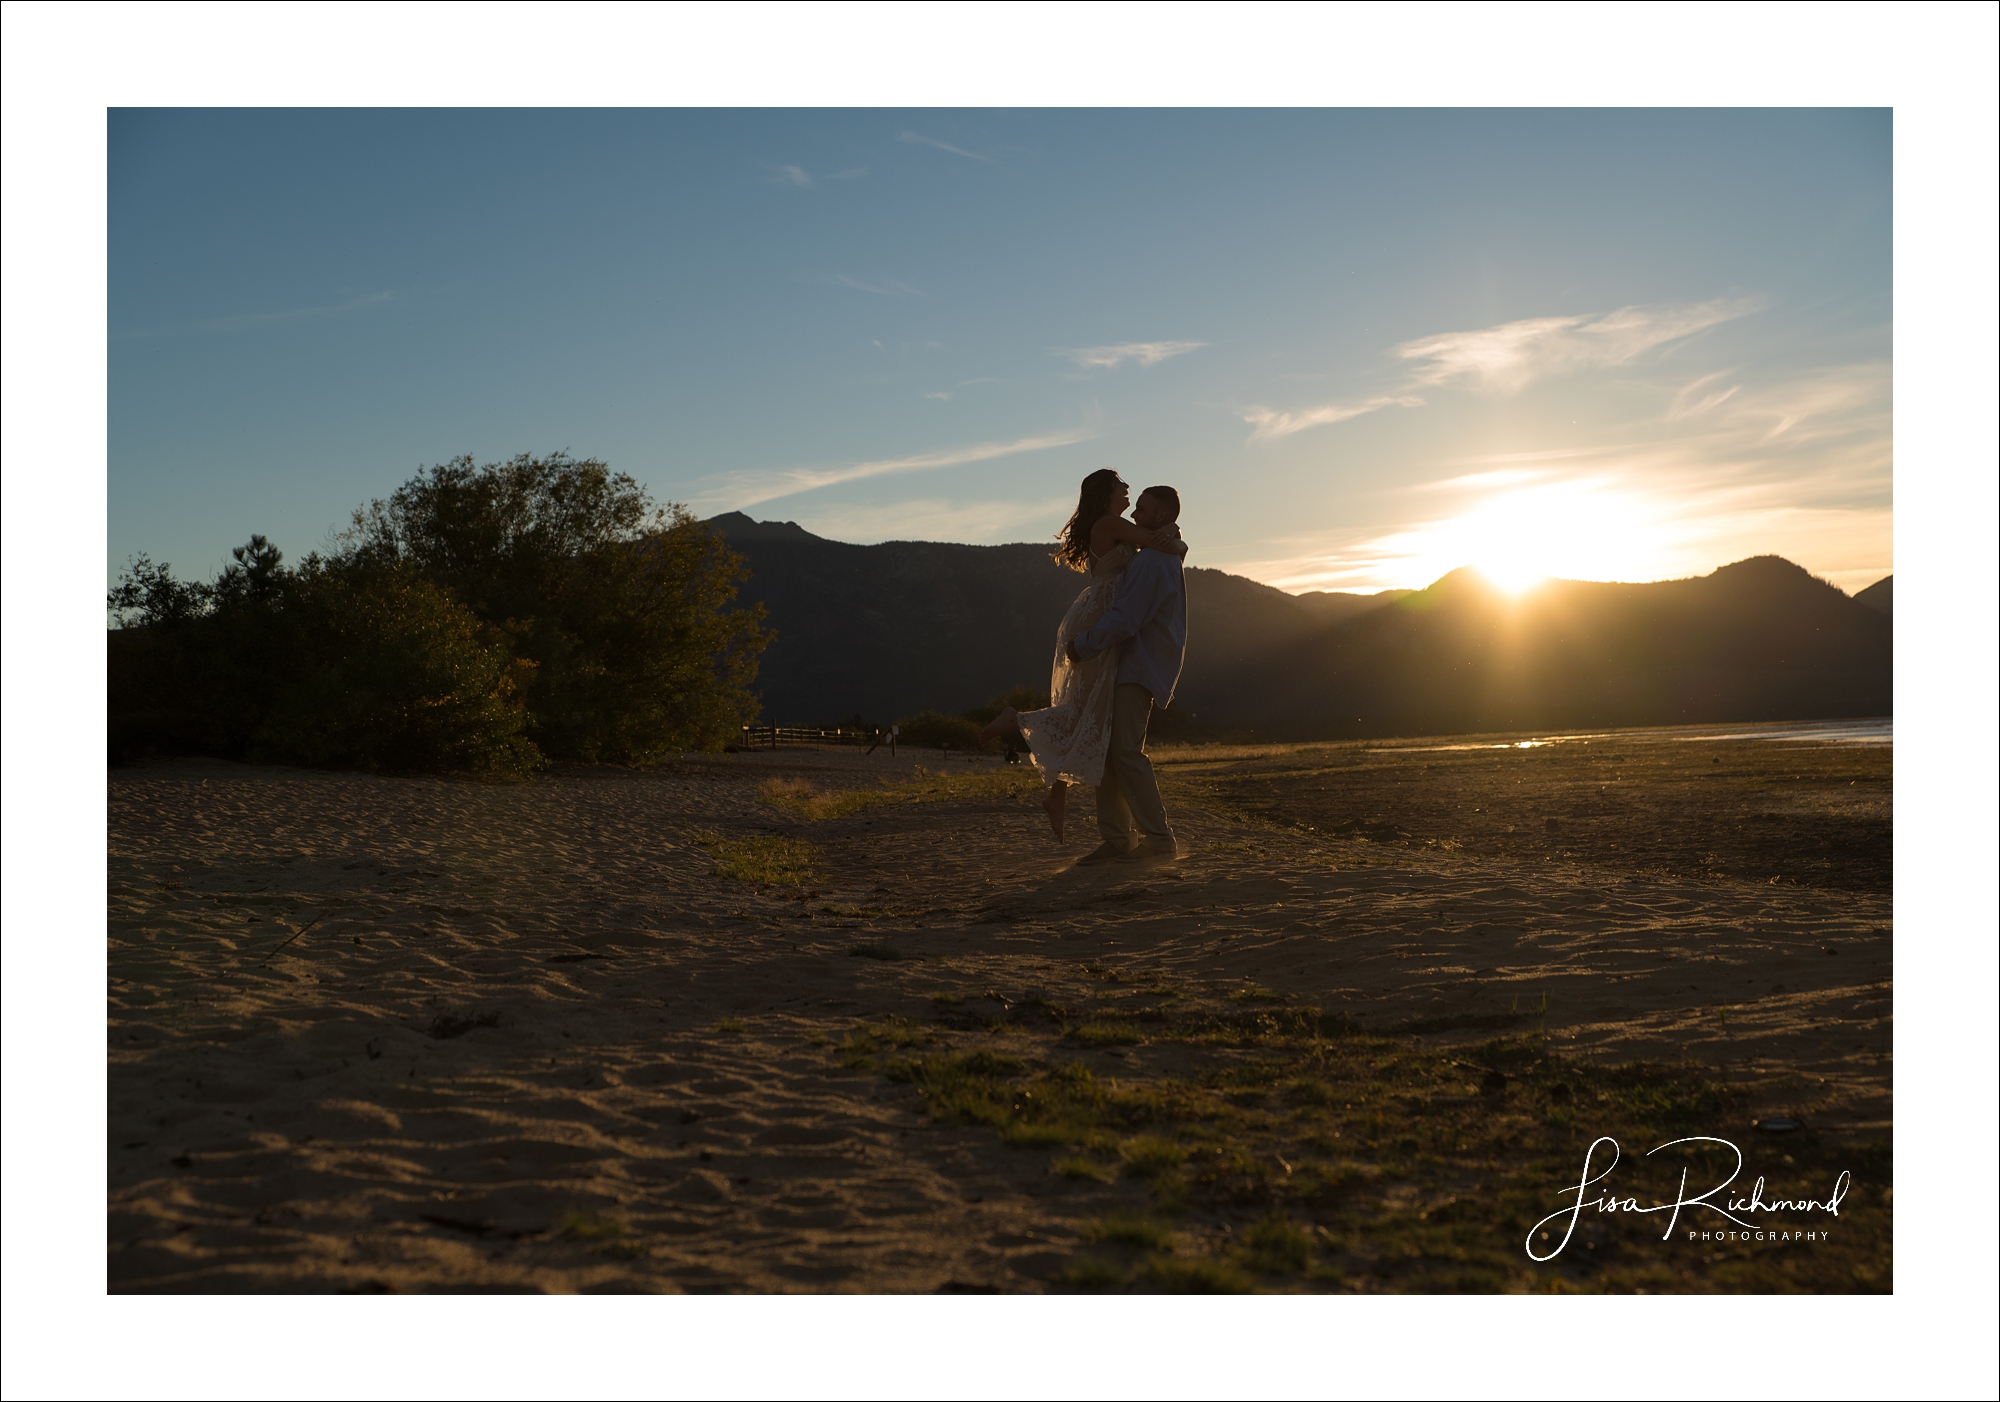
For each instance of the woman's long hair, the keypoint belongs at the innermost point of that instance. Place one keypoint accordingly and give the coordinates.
(1091, 503)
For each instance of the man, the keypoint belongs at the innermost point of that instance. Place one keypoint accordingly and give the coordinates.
(1147, 622)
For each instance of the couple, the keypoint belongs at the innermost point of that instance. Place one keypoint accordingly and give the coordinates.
(1118, 654)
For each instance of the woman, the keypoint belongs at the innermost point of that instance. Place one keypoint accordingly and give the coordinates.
(1070, 739)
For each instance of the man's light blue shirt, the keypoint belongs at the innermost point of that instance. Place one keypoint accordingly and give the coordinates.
(1149, 616)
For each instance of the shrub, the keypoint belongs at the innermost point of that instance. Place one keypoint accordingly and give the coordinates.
(337, 664)
(392, 673)
(193, 666)
(932, 729)
(477, 619)
(622, 606)
(1021, 698)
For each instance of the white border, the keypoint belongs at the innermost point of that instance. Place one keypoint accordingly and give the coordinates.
(63, 65)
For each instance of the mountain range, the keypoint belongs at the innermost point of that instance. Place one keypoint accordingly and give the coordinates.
(884, 631)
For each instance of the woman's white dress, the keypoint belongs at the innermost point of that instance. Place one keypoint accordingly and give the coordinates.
(1070, 739)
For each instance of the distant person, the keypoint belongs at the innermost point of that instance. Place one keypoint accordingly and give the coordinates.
(1087, 720)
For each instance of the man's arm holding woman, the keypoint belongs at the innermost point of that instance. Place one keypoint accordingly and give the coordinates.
(1140, 593)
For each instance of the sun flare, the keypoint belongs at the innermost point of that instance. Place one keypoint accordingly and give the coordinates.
(1562, 531)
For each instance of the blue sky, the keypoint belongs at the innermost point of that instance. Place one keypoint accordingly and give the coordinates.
(1367, 347)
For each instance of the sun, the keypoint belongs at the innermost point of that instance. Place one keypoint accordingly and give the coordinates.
(1511, 574)
(1519, 539)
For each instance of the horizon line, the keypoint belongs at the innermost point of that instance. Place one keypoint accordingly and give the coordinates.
(1295, 593)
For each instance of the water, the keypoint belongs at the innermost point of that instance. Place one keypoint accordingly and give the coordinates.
(1880, 731)
(1877, 731)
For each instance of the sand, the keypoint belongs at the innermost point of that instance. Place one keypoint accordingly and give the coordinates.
(530, 1039)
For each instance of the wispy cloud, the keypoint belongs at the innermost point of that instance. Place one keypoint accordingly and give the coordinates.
(1836, 401)
(1271, 423)
(1146, 353)
(1699, 396)
(800, 178)
(962, 384)
(1508, 357)
(917, 138)
(881, 287)
(1800, 467)
(252, 320)
(1487, 481)
(739, 490)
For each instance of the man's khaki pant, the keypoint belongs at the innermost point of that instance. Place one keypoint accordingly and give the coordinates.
(1129, 810)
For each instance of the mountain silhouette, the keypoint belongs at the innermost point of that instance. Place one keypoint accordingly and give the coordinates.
(888, 630)
(1877, 595)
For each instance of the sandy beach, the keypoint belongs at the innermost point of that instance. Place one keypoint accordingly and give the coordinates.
(417, 1034)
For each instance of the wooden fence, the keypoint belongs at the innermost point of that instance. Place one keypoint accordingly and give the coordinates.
(772, 737)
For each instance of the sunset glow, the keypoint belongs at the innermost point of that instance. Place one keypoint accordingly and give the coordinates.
(1567, 531)
(1516, 537)
(1576, 355)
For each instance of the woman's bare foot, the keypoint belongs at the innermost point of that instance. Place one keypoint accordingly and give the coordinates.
(1052, 804)
(999, 725)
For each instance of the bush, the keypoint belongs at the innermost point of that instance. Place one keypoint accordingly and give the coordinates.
(194, 666)
(478, 619)
(1021, 698)
(931, 729)
(394, 674)
(335, 664)
(622, 607)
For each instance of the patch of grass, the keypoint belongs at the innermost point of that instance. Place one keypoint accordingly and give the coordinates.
(732, 1024)
(1090, 1273)
(864, 1047)
(763, 859)
(1270, 1026)
(876, 912)
(875, 951)
(1182, 1276)
(1392, 1154)
(984, 1087)
(588, 1226)
(1040, 1134)
(1322, 1185)
(1453, 1022)
(815, 805)
(1665, 1095)
(1103, 1034)
(1149, 1156)
(1126, 1229)
(1083, 1170)
(1277, 1246)
(800, 796)
(951, 785)
(1255, 993)
(946, 1000)
(1311, 1090)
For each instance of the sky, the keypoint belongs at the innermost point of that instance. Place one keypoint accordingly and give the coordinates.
(1367, 347)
